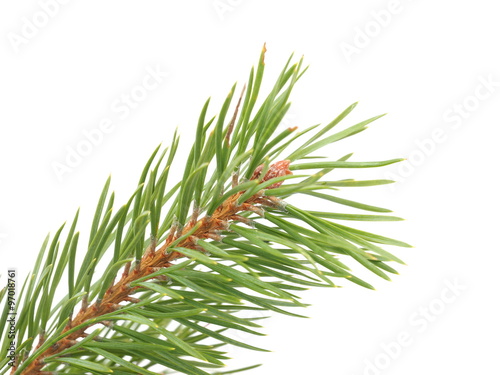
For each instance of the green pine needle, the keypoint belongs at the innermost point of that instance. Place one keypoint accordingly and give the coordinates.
(186, 259)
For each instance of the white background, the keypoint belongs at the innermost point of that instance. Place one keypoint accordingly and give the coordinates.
(423, 62)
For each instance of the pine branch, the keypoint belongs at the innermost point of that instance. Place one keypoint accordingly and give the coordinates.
(223, 240)
(156, 259)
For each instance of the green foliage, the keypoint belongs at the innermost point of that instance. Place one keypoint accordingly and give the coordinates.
(261, 260)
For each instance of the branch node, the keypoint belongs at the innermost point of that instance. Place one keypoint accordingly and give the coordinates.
(194, 215)
(85, 302)
(126, 270)
(214, 236)
(278, 203)
(132, 299)
(244, 220)
(250, 207)
(150, 251)
(235, 179)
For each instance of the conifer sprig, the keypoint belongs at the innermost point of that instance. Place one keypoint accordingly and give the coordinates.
(185, 261)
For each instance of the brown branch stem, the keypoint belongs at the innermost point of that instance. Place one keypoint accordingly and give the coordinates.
(153, 260)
